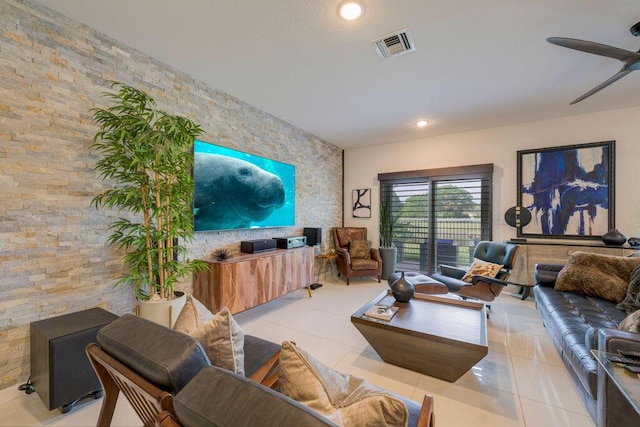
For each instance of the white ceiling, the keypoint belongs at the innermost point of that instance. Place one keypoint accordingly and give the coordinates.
(477, 63)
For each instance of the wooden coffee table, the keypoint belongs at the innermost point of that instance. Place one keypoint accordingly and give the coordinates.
(435, 335)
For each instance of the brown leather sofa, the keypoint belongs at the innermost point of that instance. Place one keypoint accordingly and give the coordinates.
(348, 266)
(578, 324)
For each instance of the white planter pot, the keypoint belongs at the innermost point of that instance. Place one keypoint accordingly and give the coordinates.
(163, 312)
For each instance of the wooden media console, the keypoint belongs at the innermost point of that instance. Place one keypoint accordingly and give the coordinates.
(247, 280)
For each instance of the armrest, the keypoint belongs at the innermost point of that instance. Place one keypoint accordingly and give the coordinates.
(492, 280)
(344, 254)
(455, 272)
(426, 417)
(266, 374)
(612, 340)
(546, 274)
(165, 419)
(375, 254)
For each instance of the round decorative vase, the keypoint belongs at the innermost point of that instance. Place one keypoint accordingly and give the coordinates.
(402, 289)
(614, 237)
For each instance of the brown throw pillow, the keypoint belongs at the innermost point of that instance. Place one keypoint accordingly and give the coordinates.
(631, 323)
(219, 334)
(482, 268)
(602, 276)
(631, 300)
(360, 249)
(344, 399)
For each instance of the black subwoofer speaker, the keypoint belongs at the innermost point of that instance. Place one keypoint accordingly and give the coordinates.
(313, 235)
(60, 369)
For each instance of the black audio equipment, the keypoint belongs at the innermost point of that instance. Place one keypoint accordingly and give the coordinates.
(313, 235)
(60, 370)
(290, 242)
(256, 246)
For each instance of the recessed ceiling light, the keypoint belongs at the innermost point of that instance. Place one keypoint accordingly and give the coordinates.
(351, 11)
(422, 123)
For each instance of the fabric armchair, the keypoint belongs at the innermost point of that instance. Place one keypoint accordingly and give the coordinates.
(351, 266)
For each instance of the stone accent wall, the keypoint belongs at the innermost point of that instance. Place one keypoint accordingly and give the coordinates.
(53, 256)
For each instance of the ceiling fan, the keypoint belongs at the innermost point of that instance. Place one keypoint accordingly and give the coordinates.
(630, 60)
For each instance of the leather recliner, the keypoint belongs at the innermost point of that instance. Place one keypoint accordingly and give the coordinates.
(481, 287)
(349, 267)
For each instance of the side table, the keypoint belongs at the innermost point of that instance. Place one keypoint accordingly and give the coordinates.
(324, 261)
(626, 382)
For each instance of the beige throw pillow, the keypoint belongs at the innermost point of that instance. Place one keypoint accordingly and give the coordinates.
(603, 276)
(482, 268)
(631, 323)
(360, 249)
(344, 399)
(219, 334)
(193, 315)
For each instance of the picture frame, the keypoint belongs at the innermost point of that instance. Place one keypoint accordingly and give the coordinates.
(361, 203)
(569, 190)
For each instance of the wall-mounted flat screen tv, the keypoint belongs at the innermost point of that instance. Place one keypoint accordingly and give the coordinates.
(235, 190)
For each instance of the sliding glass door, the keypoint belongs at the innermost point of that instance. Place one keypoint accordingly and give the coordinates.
(441, 214)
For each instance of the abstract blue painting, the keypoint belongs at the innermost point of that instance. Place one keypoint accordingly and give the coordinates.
(569, 190)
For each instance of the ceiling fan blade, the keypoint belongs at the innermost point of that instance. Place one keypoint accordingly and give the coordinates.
(594, 48)
(620, 74)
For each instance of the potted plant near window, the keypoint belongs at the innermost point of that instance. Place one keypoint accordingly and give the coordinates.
(388, 251)
(147, 156)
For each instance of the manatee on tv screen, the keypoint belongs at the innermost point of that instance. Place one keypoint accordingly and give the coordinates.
(235, 190)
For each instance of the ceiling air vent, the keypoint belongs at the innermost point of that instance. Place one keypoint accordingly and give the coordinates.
(394, 44)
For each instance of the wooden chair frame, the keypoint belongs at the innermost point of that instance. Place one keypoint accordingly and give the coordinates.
(148, 400)
(154, 406)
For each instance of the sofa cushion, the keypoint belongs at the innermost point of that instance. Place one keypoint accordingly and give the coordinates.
(359, 264)
(604, 276)
(344, 399)
(567, 317)
(217, 397)
(167, 358)
(481, 268)
(219, 334)
(360, 249)
(631, 301)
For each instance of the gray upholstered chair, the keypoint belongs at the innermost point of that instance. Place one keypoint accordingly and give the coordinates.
(169, 381)
(481, 287)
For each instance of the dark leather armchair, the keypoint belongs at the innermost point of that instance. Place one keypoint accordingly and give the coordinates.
(481, 287)
(351, 267)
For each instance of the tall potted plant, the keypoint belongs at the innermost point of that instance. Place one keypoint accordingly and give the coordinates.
(147, 156)
(388, 251)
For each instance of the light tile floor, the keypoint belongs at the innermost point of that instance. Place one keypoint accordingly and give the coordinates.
(521, 382)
